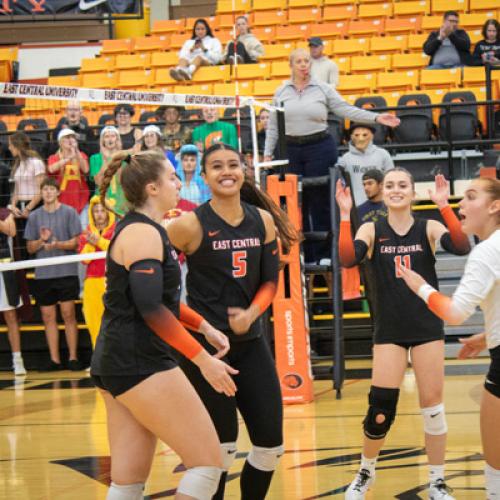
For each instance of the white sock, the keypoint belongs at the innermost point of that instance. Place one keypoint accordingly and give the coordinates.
(191, 68)
(125, 491)
(492, 477)
(436, 472)
(16, 355)
(368, 464)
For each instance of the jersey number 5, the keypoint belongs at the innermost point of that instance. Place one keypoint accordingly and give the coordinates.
(402, 260)
(240, 264)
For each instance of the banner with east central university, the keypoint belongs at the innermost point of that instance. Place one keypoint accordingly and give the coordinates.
(40, 8)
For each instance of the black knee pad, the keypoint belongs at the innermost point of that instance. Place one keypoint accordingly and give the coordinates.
(382, 401)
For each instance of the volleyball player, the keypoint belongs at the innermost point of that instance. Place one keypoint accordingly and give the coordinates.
(232, 256)
(479, 286)
(402, 322)
(146, 394)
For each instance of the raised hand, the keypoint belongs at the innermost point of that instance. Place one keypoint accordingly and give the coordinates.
(343, 197)
(442, 191)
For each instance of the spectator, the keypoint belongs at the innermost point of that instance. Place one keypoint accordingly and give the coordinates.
(322, 68)
(95, 238)
(75, 120)
(449, 47)
(214, 130)
(69, 166)
(262, 124)
(152, 139)
(193, 187)
(28, 171)
(488, 49)
(52, 231)
(129, 134)
(362, 156)
(10, 297)
(373, 208)
(202, 49)
(248, 47)
(175, 134)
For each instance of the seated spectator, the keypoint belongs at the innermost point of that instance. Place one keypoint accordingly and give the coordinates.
(488, 49)
(449, 47)
(322, 68)
(129, 134)
(214, 130)
(202, 49)
(373, 208)
(362, 156)
(95, 238)
(248, 47)
(193, 187)
(69, 166)
(152, 139)
(175, 134)
(52, 231)
(262, 124)
(28, 171)
(75, 120)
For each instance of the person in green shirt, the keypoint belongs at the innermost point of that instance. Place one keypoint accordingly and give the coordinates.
(214, 131)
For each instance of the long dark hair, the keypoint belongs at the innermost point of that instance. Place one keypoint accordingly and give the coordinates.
(252, 195)
(202, 21)
(491, 22)
(22, 143)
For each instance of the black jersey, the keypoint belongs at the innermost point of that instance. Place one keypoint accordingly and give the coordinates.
(126, 345)
(225, 269)
(399, 314)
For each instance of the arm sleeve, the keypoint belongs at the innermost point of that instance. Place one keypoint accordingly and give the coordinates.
(269, 276)
(459, 242)
(190, 318)
(146, 287)
(351, 252)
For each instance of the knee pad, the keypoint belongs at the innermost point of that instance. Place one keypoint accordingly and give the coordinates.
(381, 401)
(265, 459)
(125, 491)
(435, 420)
(228, 455)
(200, 482)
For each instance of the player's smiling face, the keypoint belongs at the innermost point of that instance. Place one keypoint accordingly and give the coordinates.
(398, 190)
(224, 172)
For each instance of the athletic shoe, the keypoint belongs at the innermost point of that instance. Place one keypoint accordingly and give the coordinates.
(174, 73)
(18, 366)
(74, 365)
(439, 491)
(358, 488)
(184, 73)
(51, 367)
(230, 60)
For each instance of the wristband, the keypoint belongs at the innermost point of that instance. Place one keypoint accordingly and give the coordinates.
(425, 291)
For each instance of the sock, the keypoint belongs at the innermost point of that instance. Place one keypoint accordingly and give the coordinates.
(368, 464)
(125, 491)
(16, 355)
(254, 483)
(219, 494)
(492, 477)
(436, 472)
(191, 68)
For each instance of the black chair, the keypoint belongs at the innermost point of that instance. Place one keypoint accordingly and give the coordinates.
(464, 124)
(148, 117)
(374, 102)
(416, 124)
(37, 130)
(106, 119)
(4, 138)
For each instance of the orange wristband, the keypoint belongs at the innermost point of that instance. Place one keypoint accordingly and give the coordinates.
(346, 245)
(190, 318)
(264, 296)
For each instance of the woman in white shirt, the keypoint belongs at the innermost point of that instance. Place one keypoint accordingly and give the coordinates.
(202, 49)
(479, 286)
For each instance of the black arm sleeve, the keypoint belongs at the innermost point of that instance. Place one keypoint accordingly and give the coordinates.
(448, 245)
(269, 264)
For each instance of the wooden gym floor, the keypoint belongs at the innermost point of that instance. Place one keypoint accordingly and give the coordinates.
(53, 443)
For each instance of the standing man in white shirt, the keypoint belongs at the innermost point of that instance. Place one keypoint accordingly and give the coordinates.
(322, 68)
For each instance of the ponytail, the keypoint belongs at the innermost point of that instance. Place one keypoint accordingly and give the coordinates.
(112, 168)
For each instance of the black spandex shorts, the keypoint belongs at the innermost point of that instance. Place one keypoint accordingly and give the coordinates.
(410, 343)
(492, 382)
(118, 384)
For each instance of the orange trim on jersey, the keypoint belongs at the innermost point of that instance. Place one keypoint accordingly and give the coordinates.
(190, 318)
(265, 296)
(458, 237)
(440, 305)
(346, 245)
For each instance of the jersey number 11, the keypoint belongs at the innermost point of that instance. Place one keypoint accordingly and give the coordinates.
(402, 260)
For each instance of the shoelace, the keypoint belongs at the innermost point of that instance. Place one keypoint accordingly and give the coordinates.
(442, 487)
(363, 477)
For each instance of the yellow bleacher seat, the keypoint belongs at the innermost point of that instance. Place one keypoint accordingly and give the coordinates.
(391, 98)
(357, 46)
(135, 79)
(402, 26)
(372, 10)
(370, 64)
(177, 40)
(224, 21)
(442, 78)
(96, 64)
(151, 43)
(475, 36)
(269, 18)
(119, 46)
(344, 64)
(368, 1)
(337, 2)
(205, 89)
(329, 30)
(400, 81)
(440, 6)
(99, 80)
(65, 81)
(244, 88)
(339, 12)
(372, 27)
(9, 54)
(236, 6)
(164, 59)
(132, 61)
(304, 15)
(280, 69)
(416, 42)
(265, 88)
(431, 23)
(412, 8)
(294, 4)
(268, 5)
(292, 33)
(168, 26)
(356, 84)
(388, 44)
(162, 77)
(225, 36)
(252, 71)
(191, 20)
(277, 51)
(212, 74)
(479, 5)
(409, 61)
(266, 34)
(473, 76)
(470, 22)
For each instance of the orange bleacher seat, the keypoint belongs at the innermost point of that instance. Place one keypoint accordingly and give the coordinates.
(266, 34)
(480, 5)
(372, 10)
(236, 6)
(135, 79)
(280, 69)
(372, 27)
(132, 61)
(252, 71)
(370, 64)
(297, 4)
(388, 44)
(191, 20)
(99, 80)
(339, 12)
(244, 88)
(119, 46)
(474, 76)
(151, 43)
(470, 22)
(205, 89)
(304, 15)
(475, 36)
(412, 8)
(440, 6)
(416, 42)
(329, 30)
(9, 54)
(208, 74)
(391, 98)
(164, 59)
(225, 36)
(96, 64)
(65, 81)
(292, 33)
(356, 84)
(357, 46)
(400, 81)
(337, 2)
(344, 64)
(403, 26)
(268, 5)
(409, 61)
(177, 40)
(269, 18)
(224, 21)
(431, 23)
(168, 26)
(440, 78)
(278, 51)
(162, 77)
(265, 88)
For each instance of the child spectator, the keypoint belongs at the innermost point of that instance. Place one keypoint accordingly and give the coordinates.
(193, 188)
